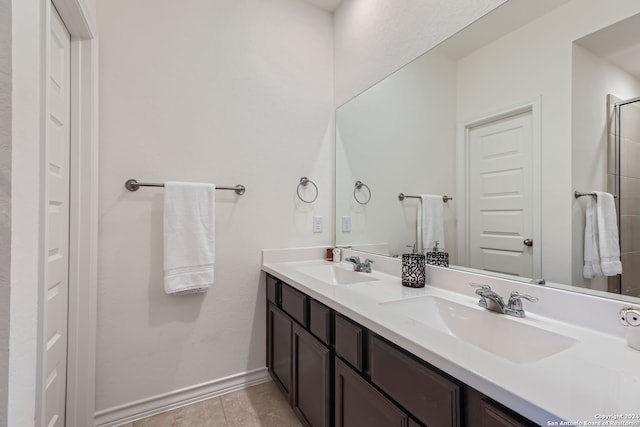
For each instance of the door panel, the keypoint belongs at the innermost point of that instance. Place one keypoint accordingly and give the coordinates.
(501, 193)
(56, 193)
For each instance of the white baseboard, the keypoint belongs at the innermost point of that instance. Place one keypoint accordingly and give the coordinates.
(133, 411)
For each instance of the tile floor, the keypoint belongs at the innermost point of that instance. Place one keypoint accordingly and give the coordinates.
(262, 405)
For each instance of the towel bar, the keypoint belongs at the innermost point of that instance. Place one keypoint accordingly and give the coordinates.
(578, 194)
(403, 196)
(133, 185)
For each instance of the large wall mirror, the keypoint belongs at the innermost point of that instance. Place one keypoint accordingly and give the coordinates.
(507, 118)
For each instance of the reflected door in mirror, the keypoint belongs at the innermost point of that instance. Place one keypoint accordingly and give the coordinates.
(500, 195)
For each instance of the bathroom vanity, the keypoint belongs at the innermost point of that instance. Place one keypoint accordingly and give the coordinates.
(351, 348)
(337, 372)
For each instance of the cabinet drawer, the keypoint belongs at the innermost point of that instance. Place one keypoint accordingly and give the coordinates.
(431, 398)
(294, 303)
(349, 341)
(272, 290)
(495, 416)
(320, 321)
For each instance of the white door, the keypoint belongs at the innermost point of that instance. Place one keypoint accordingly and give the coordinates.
(501, 196)
(56, 194)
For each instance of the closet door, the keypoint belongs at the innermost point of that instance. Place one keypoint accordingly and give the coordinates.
(56, 222)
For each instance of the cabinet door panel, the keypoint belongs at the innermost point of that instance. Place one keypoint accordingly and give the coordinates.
(311, 378)
(358, 403)
(279, 341)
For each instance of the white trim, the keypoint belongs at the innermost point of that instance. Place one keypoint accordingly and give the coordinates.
(176, 399)
(83, 236)
(83, 206)
(462, 176)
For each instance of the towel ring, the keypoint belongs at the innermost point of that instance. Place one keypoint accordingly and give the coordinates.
(304, 181)
(359, 185)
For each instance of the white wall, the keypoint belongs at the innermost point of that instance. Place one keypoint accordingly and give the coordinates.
(24, 212)
(373, 38)
(224, 92)
(536, 61)
(5, 198)
(391, 125)
(26, 56)
(593, 79)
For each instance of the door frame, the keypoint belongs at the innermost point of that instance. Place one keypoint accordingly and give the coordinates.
(463, 134)
(83, 211)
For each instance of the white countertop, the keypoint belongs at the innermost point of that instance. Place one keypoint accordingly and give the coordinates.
(592, 381)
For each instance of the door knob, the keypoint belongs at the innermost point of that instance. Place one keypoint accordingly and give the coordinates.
(528, 242)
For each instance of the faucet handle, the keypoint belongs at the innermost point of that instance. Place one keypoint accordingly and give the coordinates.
(480, 287)
(515, 300)
(368, 261)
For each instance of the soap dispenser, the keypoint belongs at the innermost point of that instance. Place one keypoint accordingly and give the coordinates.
(437, 257)
(413, 273)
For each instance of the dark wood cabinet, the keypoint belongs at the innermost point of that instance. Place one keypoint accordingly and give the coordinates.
(358, 403)
(311, 379)
(279, 336)
(335, 372)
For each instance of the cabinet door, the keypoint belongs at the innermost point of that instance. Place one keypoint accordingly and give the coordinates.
(311, 378)
(279, 327)
(358, 403)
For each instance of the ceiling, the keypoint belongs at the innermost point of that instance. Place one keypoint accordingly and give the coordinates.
(328, 5)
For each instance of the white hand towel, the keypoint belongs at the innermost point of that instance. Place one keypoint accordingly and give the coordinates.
(432, 222)
(591, 253)
(189, 237)
(608, 243)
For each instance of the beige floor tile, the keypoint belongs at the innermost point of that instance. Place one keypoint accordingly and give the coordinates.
(208, 413)
(262, 405)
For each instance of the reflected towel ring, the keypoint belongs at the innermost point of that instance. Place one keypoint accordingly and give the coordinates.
(304, 181)
(359, 185)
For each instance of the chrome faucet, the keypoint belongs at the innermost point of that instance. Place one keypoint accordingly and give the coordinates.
(492, 301)
(364, 266)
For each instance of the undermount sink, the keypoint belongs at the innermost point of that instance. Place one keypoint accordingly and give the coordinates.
(336, 274)
(499, 334)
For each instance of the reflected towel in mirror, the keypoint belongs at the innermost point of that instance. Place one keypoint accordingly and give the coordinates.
(601, 242)
(430, 222)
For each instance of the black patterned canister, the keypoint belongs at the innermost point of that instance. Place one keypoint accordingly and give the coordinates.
(413, 274)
